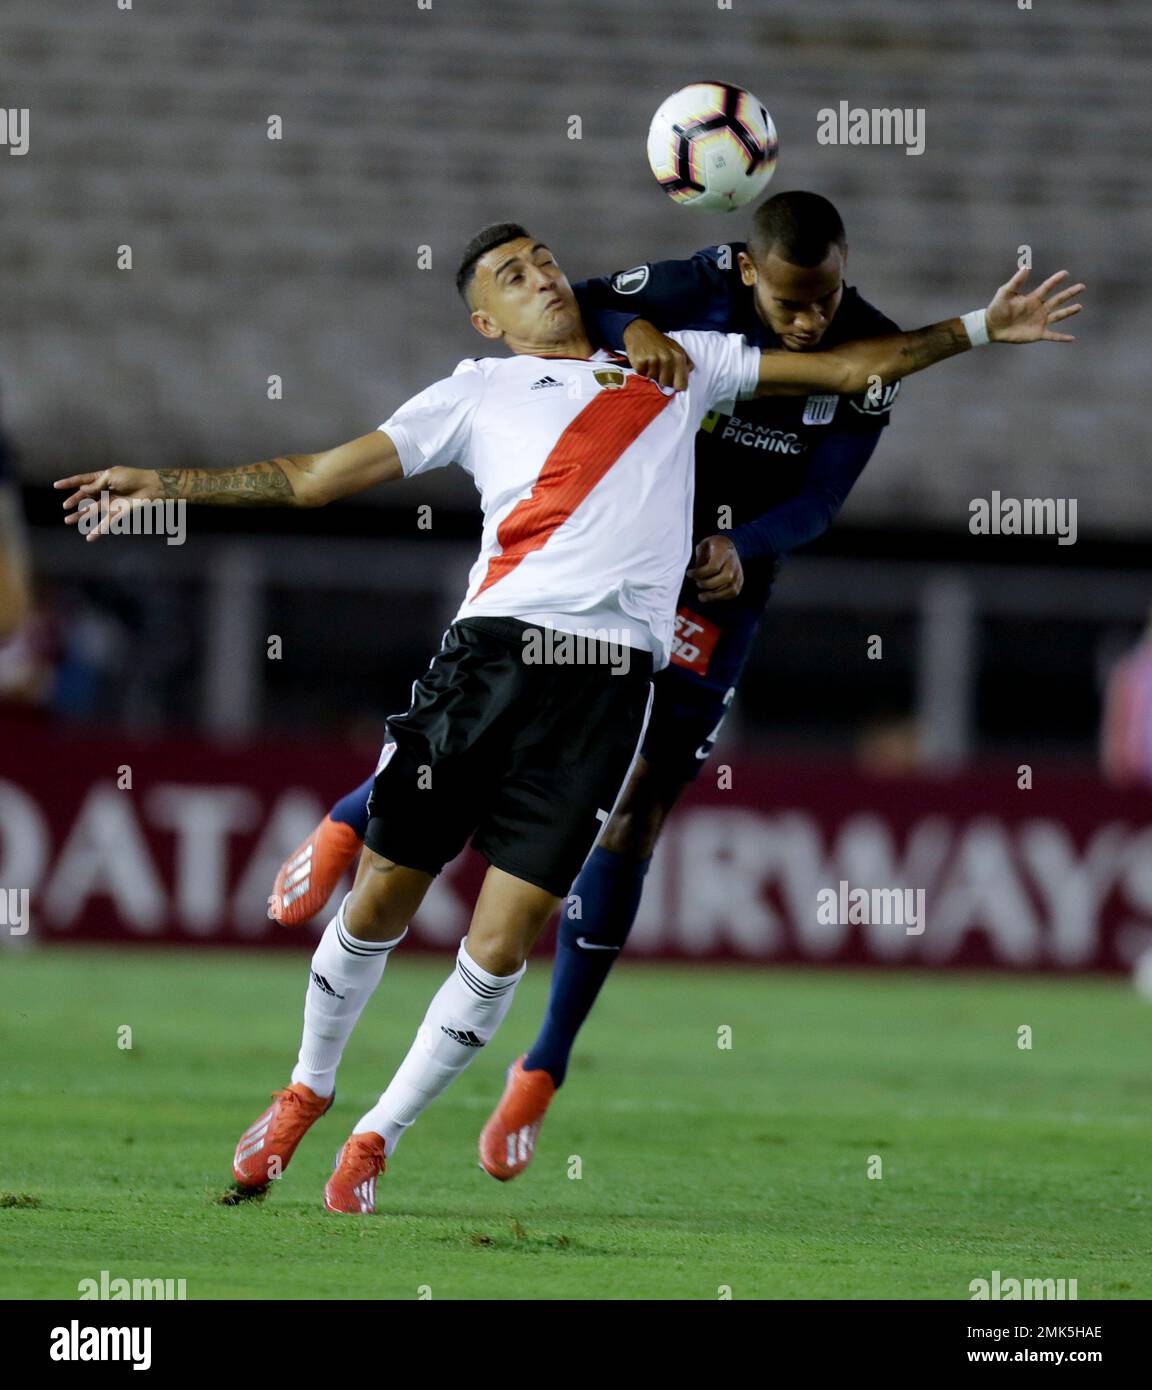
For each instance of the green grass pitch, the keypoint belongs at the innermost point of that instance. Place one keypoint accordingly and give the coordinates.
(702, 1167)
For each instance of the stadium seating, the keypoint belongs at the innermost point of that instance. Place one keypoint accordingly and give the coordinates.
(297, 257)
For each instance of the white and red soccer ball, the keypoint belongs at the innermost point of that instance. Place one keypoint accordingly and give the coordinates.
(712, 146)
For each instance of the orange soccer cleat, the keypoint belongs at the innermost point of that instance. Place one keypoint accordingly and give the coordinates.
(508, 1140)
(267, 1145)
(352, 1187)
(309, 875)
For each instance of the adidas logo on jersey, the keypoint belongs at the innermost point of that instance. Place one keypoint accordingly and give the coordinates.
(321, 983)
(546, 381)
(468, 1038)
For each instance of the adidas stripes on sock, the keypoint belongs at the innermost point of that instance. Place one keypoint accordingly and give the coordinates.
(465, 1014)
(343, 974)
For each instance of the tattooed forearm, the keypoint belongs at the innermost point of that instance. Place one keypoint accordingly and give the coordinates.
(256, 485)
(883, 360)
(928, 345)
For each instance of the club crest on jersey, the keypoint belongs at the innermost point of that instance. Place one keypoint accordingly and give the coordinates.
(819, 410)
(876, 401)
(631, 281)
(611, 378)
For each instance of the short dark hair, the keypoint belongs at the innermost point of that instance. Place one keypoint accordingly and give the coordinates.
(485, 239)
(799, 227)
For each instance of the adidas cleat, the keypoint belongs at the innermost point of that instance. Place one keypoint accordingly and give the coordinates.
(352, 1187)
(508, 1140)
(308, 877)
(267, 1145)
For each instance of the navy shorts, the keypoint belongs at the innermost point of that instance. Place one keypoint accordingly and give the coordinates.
(694, 692)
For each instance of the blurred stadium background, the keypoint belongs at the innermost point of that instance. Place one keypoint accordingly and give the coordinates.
(298, 258)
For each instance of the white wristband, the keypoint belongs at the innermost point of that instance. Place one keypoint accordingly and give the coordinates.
(976, 326)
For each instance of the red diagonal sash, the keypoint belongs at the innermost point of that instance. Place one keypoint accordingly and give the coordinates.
(582, 455)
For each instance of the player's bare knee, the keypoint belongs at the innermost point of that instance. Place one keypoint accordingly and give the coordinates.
(501, 946)
(496, 956)
(510, 914)
(383, 898)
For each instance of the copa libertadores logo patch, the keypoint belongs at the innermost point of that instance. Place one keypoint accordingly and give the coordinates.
(611, 378)
(631, 281)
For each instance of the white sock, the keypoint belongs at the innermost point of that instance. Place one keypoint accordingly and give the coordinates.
(468, 1008)
(343, 974)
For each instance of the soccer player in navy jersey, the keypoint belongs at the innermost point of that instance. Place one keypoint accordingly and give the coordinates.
(770, 476)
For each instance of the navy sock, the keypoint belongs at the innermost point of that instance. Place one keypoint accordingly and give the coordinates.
(608, 891)
(353, 808)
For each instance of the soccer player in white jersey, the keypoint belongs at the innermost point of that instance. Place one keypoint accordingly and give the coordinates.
(522, 731)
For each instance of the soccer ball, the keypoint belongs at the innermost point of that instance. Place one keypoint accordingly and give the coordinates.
(712, 146)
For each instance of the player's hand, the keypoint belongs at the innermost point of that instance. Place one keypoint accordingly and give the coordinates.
(1016, 317)
(113, 490)
(654, 355)
(717, 570)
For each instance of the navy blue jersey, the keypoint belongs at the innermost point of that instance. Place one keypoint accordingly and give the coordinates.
(771, 472)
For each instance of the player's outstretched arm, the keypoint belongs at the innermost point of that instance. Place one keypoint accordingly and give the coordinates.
(294, 480)
(1012, 317)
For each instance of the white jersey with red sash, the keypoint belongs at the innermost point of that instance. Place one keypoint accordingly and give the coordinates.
(585, 474)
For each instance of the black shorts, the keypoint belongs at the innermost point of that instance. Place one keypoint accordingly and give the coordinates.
(526, 757)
